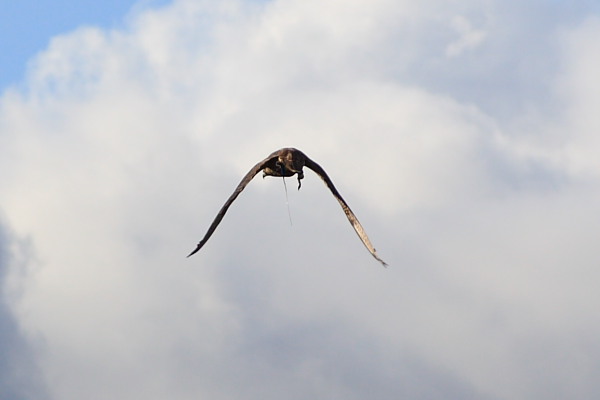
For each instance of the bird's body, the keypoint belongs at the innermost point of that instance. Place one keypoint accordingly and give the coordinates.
(288, 162)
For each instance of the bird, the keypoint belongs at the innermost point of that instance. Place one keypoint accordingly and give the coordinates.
(285, 163)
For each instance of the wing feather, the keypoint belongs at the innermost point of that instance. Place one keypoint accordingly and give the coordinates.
(351, 217)
(245, 180)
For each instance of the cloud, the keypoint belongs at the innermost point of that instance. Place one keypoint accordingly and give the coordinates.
(580, 89)
(19, 373)
(126, 142)
(469, 38)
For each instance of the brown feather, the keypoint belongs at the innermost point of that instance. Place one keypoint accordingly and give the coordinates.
(360, 231)
(287, 162)
(245, 180)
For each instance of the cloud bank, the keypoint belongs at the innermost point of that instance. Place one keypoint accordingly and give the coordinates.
(463, 135)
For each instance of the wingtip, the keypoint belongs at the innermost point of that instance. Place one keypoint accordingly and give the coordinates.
(193, 252)
(385, 265)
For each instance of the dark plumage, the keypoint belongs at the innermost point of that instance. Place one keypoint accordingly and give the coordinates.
(285, 163)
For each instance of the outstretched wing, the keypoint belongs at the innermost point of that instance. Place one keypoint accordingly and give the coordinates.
(351, 217)
(245, 180)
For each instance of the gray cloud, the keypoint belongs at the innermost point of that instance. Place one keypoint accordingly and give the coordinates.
(473, 174)
(19, 374)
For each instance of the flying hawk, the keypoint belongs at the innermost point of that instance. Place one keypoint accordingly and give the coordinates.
(285, 163)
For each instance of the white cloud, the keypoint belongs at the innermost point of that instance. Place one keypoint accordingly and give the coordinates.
(126, 143)
(469, 37)
(581, 89)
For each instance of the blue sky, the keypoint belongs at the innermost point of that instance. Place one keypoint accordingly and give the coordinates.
(28, 26)
(463, 134)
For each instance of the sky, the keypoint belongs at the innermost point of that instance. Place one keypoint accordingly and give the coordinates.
(464, 136)
(28, 26)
